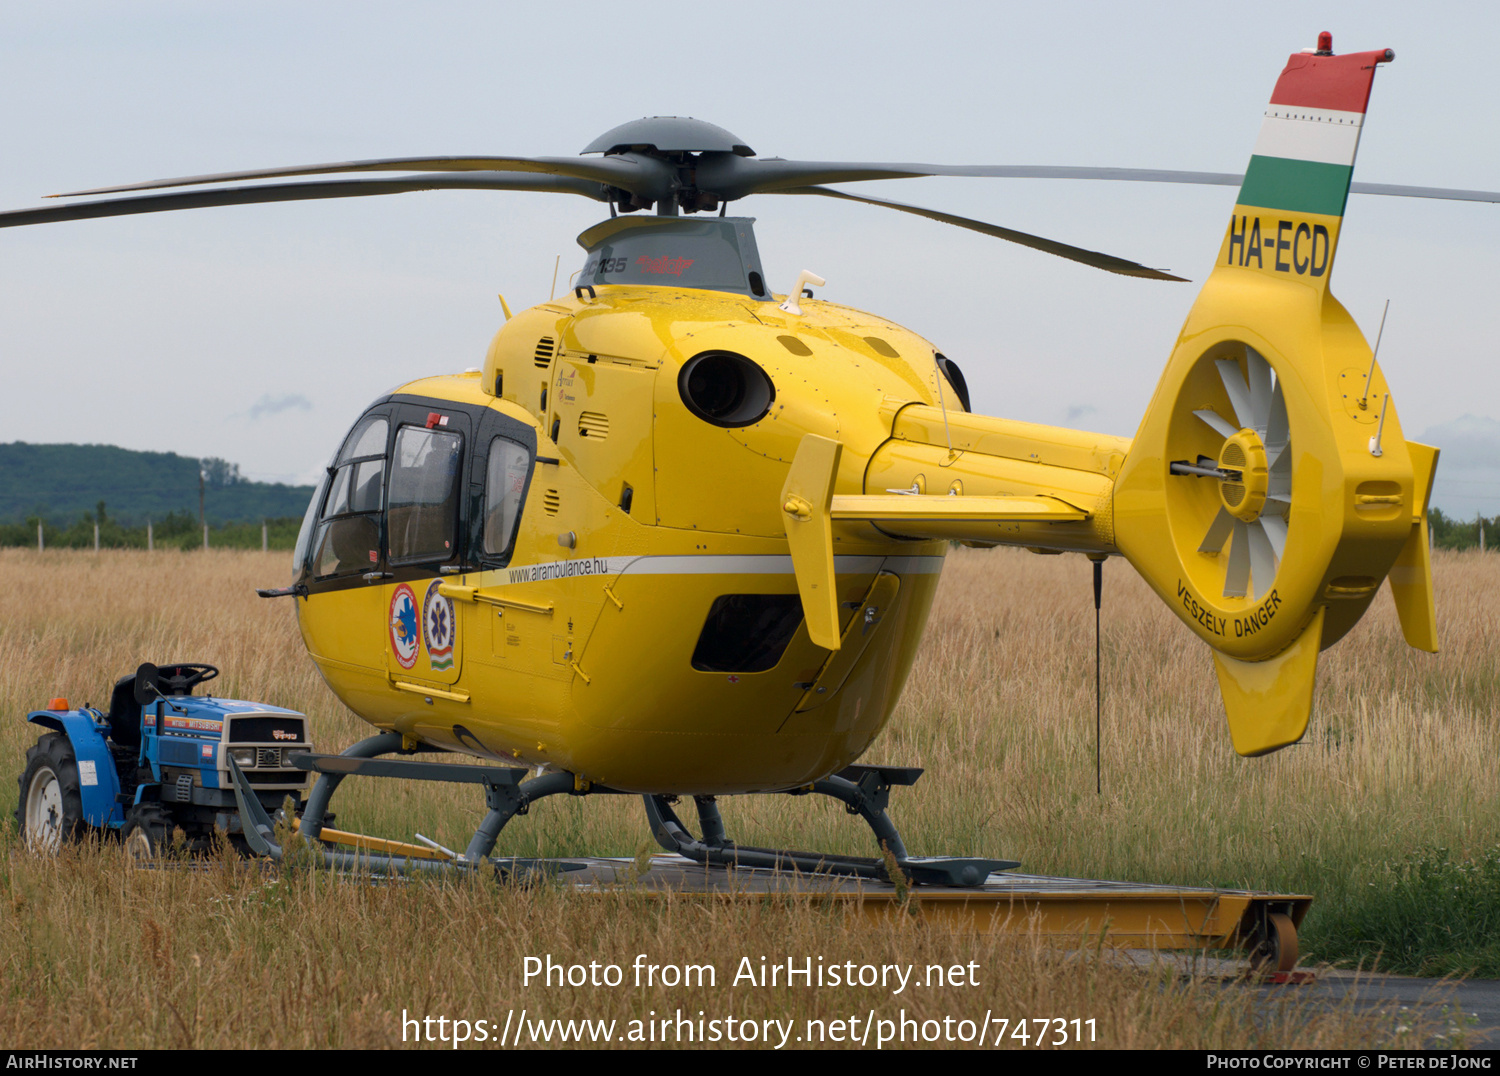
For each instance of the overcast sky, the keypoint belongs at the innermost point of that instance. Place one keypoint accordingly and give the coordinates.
(257, 333)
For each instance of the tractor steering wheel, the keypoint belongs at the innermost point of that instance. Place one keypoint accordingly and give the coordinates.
(181, 678)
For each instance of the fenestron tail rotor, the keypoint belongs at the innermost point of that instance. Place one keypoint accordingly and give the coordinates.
(1253, 467)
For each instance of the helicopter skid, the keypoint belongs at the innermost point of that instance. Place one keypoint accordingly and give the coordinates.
(1061, 911)
(960, 894)
(864, 790)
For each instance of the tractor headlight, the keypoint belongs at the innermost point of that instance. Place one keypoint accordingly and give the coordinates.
(244, 757)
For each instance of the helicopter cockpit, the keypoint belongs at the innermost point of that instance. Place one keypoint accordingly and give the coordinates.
(413, 490)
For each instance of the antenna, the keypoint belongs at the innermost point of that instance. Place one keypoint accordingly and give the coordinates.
(942, 403)
(1363, 400)
(1098, 680)
(793, 304)
(1375, 449)
(555, 265)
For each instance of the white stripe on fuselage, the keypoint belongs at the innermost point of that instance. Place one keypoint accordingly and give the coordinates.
(707, 564)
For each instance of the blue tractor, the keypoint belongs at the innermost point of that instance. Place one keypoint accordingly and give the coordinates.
(156, 762)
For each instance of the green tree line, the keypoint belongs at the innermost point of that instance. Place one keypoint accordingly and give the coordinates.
(1462, 534)
(60, 483)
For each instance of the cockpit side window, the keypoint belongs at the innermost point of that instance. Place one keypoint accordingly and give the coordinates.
(504, 486)
(368, 439)
(348, 538)
(422, 519)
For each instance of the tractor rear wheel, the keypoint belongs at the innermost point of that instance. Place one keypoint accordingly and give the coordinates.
(50, 812)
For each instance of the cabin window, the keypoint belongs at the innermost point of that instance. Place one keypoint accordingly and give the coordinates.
(505, 482)
(422, 516)
(747, 633)
(348, 539)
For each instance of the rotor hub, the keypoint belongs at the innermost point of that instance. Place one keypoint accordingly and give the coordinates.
(1243, 490)
(666, 136)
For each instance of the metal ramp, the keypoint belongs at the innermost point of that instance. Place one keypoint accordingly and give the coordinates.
(1125, 915)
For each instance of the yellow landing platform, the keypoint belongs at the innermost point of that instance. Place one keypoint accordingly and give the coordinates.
(1127, 915)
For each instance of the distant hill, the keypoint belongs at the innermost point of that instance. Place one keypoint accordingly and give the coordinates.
(62, 482)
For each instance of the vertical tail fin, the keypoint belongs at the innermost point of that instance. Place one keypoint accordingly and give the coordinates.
(1291, 203)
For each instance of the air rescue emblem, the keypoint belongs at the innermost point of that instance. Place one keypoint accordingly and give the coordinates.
(405, 629)
(439, 629)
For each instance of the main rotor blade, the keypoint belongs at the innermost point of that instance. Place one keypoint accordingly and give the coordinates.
(296, 192)
(627, 172)
(1397, 190)
(1025, 239)
(734, 177)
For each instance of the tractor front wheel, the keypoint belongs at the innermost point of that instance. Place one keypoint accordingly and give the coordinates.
(51, 809)
(148, 829)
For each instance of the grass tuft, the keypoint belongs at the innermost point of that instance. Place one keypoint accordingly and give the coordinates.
(1425, 914)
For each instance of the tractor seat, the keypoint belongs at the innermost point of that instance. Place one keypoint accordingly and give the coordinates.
(171, 681)
(125, 713)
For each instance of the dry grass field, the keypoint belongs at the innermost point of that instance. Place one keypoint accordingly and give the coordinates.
(1389, 813)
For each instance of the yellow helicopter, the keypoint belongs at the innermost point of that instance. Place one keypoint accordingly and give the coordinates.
(679, 536)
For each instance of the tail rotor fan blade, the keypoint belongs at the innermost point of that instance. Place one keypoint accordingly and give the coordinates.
(1239, 392)
(1275, 528)
(1279, 479)
(1220, 426)
(1262, 557)
(1259, 371)
(1276, 425)
(1237, 577)
(1218, 532)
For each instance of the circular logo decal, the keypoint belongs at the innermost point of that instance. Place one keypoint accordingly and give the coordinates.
(439, 629)
(404, 627)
